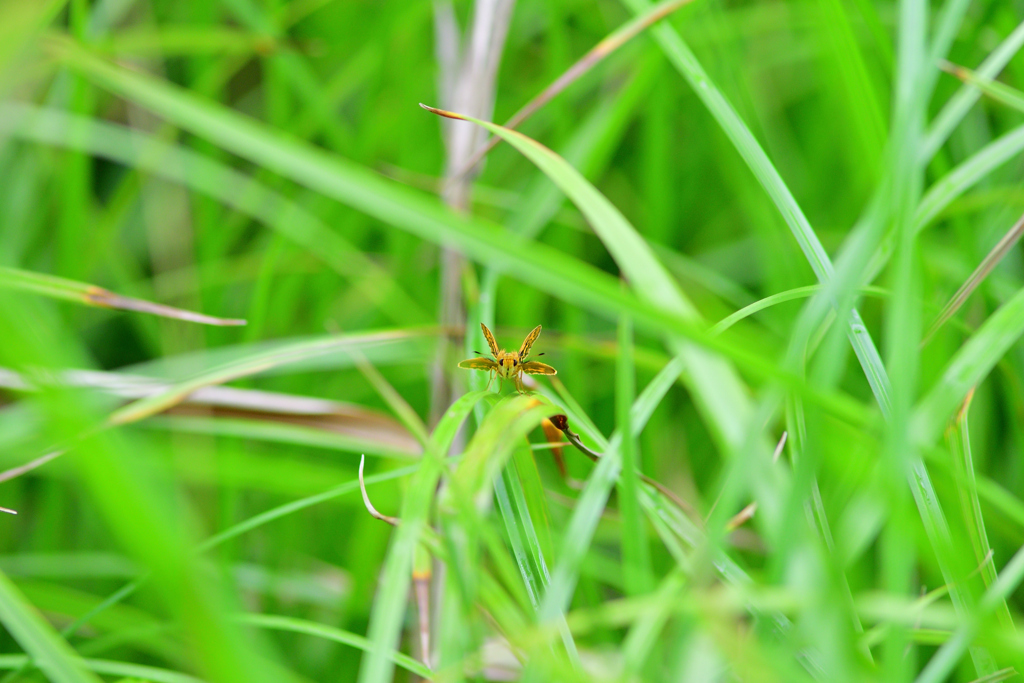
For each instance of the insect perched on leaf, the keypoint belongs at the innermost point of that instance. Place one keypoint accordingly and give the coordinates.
(509, 364)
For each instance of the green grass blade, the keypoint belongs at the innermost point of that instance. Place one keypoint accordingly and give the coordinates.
(947, 25)
(492, 445)
(956, 108)
(715, 386)
(398, 405)
(389, 606)
(20, 25)
(337, 635)
(215, 179)
(241, 528)
(968, 367)
(774, 299)
(959, 438)
(107, 667)
(51, 653)
(767, 175)
(947, 657)
(529, 533)
(1000, 92)
(282, 433)
(542, 266)
(683, 59)
(636, 560)
(967, 174)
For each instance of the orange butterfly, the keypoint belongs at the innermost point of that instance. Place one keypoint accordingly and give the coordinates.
(509, 364)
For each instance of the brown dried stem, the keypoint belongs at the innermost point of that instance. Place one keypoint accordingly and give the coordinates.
(562, 423)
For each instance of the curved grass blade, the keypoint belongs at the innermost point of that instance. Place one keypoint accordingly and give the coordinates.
(945, 660)
(683, 59)
(716, 387)
(594, 56)
(959, 438)
(968, 367)
(108, 667)
(957, 107)
(52, 653)
(139, 150)
(237, 530)
(399, 406)
(547, 268)
(1000, 92)
(774, 299)
(967, 174)
(294, 506)
(508, 422)
(91, 295)
(389, 606)
(293, 625)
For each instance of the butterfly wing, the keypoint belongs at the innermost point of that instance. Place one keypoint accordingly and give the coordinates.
(524, 350)
(534, 368)
(478, 364)
(490, 340)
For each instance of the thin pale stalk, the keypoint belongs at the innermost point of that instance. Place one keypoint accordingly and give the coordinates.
(592, 58)
(991, 260)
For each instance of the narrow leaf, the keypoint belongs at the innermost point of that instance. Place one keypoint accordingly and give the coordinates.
(91, 295)
(51, 653)
(991, 260)
(969, 366)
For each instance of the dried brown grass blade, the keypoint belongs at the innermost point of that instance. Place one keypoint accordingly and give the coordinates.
(97, 296)
(357, 424)
(993, 258)
(91, 295)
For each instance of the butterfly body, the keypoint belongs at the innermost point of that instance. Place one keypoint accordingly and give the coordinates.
(509, 364)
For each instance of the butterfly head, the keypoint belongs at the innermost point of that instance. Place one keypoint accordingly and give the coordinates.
(508, 362)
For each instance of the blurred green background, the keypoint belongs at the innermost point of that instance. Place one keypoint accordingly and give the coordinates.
(839, 458)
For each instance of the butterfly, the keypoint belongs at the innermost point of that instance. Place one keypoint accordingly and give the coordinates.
(509, 364)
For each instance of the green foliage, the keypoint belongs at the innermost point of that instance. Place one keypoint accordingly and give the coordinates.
(707, 223)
